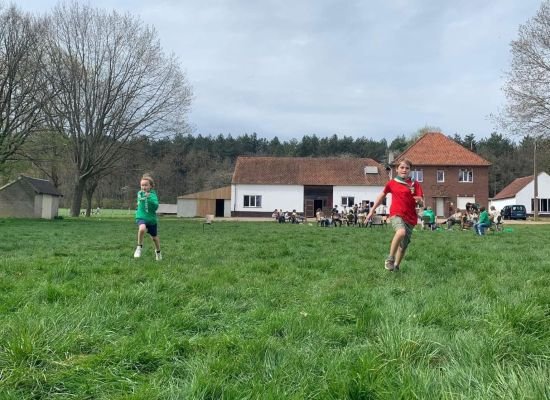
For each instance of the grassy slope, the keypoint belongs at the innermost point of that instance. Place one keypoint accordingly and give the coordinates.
(262, 310)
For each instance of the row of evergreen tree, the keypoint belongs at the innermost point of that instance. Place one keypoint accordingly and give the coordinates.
(190, 163)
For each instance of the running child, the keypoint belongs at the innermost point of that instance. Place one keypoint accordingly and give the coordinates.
(146, 215)
(406, 194)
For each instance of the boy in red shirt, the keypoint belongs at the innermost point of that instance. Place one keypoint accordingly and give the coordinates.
(406, 194)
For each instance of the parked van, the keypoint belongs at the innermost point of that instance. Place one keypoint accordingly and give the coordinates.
(517, 211)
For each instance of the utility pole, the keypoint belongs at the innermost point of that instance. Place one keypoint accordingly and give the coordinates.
(536, 186)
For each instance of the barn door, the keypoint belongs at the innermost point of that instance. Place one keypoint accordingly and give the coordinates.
(309, 209)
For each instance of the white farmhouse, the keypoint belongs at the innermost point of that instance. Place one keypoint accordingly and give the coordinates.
(522, 190)
(262, 184)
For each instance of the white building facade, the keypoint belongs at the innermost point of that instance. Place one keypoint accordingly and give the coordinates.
(522, 192)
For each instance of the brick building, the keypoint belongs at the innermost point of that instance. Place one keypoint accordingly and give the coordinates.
(450, 174)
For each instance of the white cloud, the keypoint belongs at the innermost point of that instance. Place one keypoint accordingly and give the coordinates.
(375, 69)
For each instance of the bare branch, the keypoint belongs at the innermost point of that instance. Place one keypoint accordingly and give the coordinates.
(112, 83)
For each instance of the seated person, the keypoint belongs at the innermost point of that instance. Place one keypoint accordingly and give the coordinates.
(336, 218)
(319, 216)
(468, 220)
(428, 218)
(493, 214)
(350, 218)
(483, 222)
(456, 218)
(361, 218)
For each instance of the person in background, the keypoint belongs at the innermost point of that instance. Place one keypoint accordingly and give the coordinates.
(456, 218)
(406, 194)
(428, 212)
(493, 214)
(483, 222)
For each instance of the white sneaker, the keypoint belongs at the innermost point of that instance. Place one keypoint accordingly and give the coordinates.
(158, 255)
(137, 253)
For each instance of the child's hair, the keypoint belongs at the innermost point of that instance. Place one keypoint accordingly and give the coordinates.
(406, 161)
(149, 178)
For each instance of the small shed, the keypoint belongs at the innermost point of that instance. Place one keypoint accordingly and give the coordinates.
(216, 202)
(28, 197)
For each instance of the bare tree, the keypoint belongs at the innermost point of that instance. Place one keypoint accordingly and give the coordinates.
(21, 88)
(527, 89)
(112, 83)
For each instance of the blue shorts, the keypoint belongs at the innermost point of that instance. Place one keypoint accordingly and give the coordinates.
(151, 228)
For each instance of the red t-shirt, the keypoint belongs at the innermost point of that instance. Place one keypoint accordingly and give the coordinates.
(403, 203)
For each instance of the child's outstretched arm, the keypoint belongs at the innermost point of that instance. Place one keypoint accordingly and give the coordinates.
(377, 202)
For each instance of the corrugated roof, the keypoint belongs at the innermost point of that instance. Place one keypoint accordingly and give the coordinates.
(434, 148)
(513, 188)
(307, 171)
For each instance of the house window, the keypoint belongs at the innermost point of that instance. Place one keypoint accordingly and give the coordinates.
(252, 201)
(348, 201)
(466, 175)
(417, 175)
(543, 205)
(440, 176)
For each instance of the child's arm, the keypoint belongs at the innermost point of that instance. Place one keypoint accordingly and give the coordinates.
(153, 201)
(377, 202)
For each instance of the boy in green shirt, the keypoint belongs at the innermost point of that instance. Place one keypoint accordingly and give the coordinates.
(146, 215)
(483, 222)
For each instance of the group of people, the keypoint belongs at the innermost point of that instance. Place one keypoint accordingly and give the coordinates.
(351, 216)
(407, 196)
(291, 217)
(472, 217)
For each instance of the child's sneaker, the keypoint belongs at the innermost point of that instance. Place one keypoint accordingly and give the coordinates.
(137, 253)
(388, 264)
(158, 255)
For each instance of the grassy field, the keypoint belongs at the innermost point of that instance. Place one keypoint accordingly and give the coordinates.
(248, 310)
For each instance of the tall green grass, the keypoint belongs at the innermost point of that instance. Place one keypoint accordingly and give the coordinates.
(268, 311)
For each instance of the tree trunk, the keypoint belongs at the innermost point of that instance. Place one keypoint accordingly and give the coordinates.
(90, 189)
(77, 197)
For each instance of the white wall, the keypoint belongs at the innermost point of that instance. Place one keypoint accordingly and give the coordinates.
(525, 195)
(285, 197)
(187, 208)
(46, 206)
(499, 204)
(360, 193)
(227, 208)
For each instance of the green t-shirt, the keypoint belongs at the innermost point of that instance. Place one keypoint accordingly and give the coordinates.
(430, 214)
(484, 218)
(147, 207)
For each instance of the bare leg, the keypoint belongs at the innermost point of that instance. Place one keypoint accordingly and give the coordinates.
(141, 233)
(399, 256)
(156, 241)
(394, 247)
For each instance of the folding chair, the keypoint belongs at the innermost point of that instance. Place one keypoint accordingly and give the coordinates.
(208, 220)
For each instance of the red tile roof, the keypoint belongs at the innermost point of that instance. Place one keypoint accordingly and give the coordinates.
(513, 188)
(434, 148)
(307, 171)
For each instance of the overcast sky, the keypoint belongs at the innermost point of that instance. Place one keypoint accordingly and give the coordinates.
(378, 68)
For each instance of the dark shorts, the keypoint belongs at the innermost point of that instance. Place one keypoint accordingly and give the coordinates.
(151, 228)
